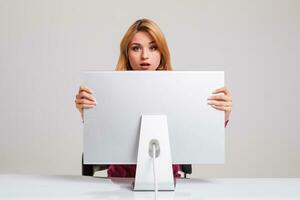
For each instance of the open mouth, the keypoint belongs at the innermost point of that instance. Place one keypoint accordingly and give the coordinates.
(145, 65)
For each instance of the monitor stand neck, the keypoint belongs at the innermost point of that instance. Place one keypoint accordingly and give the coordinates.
(154, 128)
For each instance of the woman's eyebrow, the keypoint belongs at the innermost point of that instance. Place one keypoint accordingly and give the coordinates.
(136, 43)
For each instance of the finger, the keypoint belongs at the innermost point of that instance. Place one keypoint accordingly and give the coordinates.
(222, 108)
(85, 101)
(86, 89)
(84, 106)
(78, 106)
(85, 95)
(222, 89)
(219, 103)
(220, 97)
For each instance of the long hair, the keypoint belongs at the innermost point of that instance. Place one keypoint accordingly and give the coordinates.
(148, 26)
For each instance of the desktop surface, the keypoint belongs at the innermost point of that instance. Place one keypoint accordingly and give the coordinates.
(14, 186)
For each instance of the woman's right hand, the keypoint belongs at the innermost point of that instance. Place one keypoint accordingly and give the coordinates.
(85, 99)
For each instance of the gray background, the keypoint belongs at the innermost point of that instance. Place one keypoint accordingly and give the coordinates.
(45, 44)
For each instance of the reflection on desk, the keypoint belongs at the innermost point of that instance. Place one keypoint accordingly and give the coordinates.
(79, 187)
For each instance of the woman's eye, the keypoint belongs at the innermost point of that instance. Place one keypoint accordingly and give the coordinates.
(153, 48)
(135, 48)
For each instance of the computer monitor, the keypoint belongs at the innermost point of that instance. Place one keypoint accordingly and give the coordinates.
(112, 128)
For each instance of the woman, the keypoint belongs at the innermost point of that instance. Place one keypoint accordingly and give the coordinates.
(144, 47)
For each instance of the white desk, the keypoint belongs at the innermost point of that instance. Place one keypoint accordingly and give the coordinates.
(78, 187)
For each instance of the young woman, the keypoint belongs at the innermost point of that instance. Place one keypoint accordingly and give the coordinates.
(144, 47)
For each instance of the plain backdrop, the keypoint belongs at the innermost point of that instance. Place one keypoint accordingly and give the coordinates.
(45, 44)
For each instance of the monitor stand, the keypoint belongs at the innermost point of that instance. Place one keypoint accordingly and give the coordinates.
(154, 131)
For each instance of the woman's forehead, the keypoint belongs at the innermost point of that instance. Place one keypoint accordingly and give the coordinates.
(142, 37)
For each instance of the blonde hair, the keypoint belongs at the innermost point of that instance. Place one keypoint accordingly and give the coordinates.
(148, 26)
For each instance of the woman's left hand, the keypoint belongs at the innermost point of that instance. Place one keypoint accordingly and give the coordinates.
(222, 101)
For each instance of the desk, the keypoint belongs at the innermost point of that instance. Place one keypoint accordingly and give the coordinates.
(79, 187)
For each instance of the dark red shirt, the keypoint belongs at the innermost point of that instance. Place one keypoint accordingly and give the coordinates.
(129, 171)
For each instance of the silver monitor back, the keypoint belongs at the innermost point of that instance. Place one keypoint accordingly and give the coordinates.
(111, 129)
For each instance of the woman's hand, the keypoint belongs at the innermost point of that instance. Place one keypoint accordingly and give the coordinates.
(222, 101)
(84, 99)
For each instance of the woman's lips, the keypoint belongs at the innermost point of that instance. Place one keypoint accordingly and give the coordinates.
(145, 65)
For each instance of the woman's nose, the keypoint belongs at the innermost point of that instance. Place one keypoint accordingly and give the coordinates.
(145, 54)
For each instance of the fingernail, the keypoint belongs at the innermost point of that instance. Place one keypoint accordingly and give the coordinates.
(209, 102)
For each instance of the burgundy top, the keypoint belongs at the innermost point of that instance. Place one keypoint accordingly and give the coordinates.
(129, 170)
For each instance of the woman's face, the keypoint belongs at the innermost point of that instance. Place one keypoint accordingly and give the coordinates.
(143, 53)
